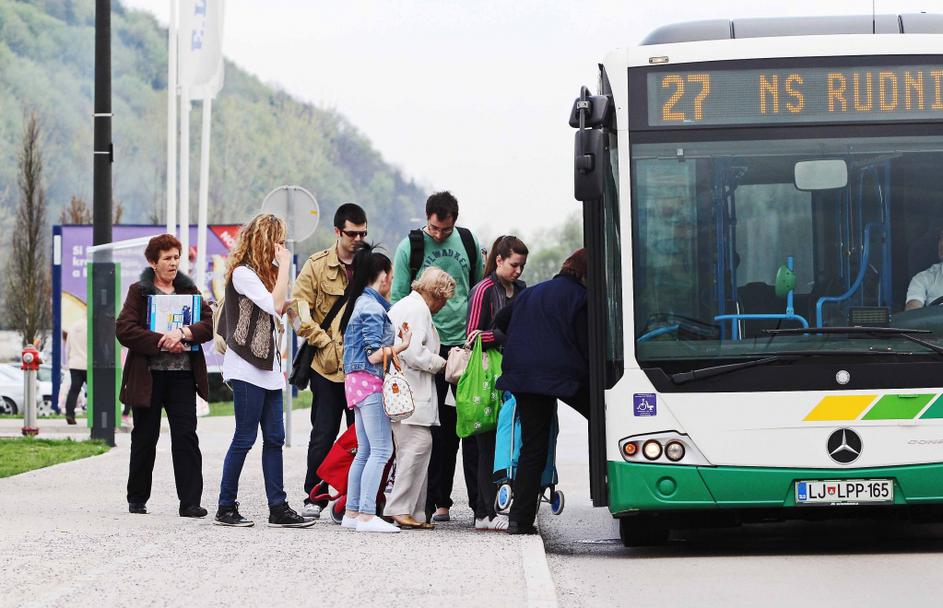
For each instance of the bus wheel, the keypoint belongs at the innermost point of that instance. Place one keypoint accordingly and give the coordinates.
(641, 531)
(502, 502)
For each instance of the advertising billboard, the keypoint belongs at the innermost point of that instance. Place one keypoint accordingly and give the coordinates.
(69, 275)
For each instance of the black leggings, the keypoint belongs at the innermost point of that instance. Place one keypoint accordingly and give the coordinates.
(445, 444)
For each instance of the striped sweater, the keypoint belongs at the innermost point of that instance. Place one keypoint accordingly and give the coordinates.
(486, 299)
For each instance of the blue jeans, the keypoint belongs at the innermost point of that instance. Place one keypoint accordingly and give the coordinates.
(254, 407)
(374, 448)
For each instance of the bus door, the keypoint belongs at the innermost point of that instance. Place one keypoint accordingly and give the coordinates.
(596, 186)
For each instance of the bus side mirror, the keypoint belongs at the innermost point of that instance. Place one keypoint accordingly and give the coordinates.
(595, 109)
(826, 174)
(590, 164)
(590, 115)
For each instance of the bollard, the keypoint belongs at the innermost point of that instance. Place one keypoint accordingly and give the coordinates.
(30, 361)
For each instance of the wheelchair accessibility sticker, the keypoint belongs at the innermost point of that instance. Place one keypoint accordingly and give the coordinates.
(644, 404)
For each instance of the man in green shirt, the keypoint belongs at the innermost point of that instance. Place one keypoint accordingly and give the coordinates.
(455, 250)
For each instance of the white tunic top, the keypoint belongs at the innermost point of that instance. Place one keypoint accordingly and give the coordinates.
(421, 361)
(926, 285)
(246, 282)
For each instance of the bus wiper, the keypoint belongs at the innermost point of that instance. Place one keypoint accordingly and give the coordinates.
(717, 370)
(878, 332)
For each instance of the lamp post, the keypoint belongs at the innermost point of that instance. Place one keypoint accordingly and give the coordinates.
(101, 296)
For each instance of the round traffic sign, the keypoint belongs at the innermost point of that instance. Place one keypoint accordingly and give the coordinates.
(297, 207)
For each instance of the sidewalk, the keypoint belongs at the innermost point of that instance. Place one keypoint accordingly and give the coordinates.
(68, 540)
(57, 428)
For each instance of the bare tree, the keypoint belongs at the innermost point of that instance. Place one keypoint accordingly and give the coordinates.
(78, 212)
(28, 282)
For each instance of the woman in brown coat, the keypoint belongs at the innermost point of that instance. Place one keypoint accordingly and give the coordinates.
(161, 372)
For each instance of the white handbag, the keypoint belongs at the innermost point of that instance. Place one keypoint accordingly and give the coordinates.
(397, 396)
(456, 363)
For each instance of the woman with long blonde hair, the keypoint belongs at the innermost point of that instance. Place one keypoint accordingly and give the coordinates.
(256, 291)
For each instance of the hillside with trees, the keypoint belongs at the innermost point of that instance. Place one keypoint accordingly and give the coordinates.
(262, 137)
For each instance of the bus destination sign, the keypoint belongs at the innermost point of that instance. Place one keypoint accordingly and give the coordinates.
(802, 95)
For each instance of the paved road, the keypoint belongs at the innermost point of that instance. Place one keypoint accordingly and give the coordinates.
(791, 564)
(66, 539)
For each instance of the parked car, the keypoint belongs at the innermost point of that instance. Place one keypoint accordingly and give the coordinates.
(11, 390)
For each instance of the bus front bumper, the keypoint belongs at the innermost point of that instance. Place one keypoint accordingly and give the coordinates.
(651, 487)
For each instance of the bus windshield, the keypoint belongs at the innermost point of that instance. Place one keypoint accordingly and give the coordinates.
(726, 245)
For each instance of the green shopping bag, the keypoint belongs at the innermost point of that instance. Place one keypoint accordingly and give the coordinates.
(477, 401)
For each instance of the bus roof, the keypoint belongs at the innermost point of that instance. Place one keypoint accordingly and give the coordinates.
(726, 29)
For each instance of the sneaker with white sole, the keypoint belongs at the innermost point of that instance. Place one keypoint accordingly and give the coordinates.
(349, 523)
(230, 516)
(375, 524)
(500, 522)
(311, 511)
(283, 516)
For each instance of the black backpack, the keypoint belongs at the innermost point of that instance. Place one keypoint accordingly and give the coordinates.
(417, 246)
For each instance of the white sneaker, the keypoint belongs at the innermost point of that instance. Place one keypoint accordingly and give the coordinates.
(500, 522)
(375, 524)
(349, 522)
(311, 510)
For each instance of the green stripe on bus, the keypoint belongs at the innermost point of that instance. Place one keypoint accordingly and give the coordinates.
(635, 486)
(935, 410)
(898, 407)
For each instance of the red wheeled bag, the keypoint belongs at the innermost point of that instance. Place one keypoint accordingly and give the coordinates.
(334, 471)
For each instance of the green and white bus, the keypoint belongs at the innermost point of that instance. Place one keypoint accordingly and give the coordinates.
(763, 207)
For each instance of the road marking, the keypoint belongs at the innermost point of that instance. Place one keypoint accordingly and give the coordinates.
(540, 590)
(600, 541)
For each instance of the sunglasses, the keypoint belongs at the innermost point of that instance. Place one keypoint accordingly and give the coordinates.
(355, 233)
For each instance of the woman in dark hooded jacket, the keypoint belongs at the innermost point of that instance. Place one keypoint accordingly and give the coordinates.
(546, 358)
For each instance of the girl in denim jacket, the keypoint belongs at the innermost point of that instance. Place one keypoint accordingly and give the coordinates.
(368, 333)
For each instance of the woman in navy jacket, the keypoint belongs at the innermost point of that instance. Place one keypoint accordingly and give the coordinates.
(546, 358)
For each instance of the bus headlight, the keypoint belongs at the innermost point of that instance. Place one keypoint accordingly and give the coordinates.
(651, 449)
(674, 451)
(664, 448)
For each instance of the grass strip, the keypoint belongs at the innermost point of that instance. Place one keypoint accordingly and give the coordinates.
(301, 401)
(21, 454)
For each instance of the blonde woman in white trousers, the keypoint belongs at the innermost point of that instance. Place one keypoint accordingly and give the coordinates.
(421, 361)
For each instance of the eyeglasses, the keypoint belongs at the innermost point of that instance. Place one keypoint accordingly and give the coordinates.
(444, 231)
(355, 233)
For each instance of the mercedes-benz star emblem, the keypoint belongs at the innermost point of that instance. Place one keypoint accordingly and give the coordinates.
(844, 446)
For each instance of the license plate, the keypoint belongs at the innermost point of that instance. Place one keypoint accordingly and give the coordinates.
(845, 491)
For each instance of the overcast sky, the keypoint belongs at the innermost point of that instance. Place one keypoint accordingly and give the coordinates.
(473, 95)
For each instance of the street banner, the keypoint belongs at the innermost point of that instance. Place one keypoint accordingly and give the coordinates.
(200, 48)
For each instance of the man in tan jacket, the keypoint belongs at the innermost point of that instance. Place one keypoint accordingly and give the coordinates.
(320, 284)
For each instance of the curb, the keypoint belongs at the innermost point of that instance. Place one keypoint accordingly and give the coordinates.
(540, 590)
